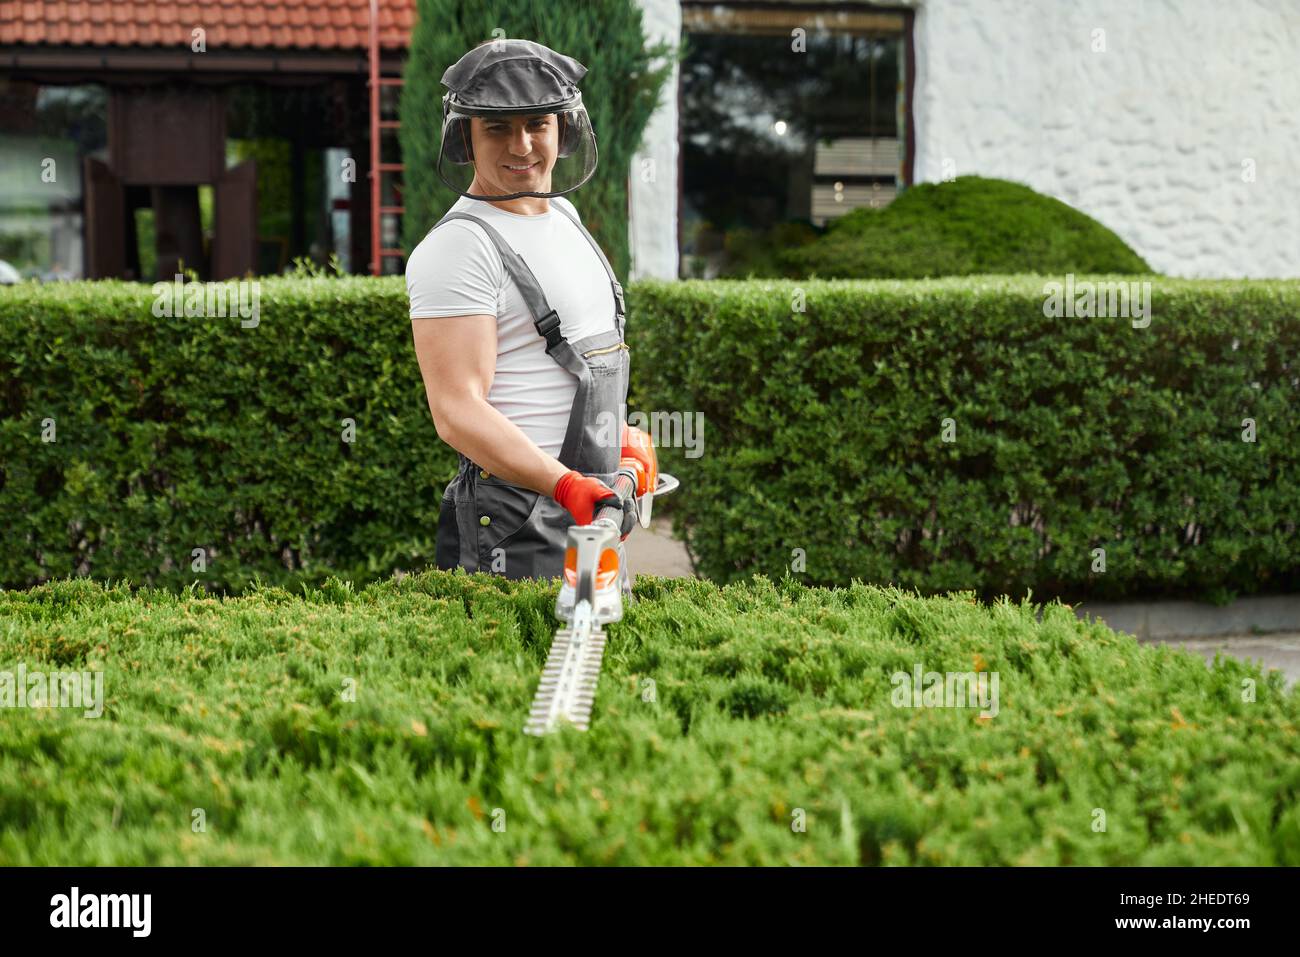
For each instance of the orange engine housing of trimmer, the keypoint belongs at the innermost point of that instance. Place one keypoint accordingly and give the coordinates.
(605, 574)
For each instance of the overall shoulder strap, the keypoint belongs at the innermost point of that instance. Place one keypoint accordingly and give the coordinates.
(545, 319)
(619, 309)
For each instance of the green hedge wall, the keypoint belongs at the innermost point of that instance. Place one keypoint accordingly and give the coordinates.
(181, 433)
(824, 432)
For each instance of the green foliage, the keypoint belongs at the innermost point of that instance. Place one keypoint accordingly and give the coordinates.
(187, 432)
(623, 83)
(720, 714)
(304, 267)
(147, 243)
(751, 253)
(967, 226)
(274, 182)
(823, 431)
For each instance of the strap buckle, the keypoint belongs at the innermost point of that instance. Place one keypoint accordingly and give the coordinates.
(549, 327)
(618, 297)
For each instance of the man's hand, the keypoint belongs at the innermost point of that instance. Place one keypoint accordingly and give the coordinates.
(584, 496)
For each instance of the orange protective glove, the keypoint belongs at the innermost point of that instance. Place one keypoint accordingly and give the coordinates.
(584, 496)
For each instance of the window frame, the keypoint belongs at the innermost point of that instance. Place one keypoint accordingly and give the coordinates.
(793, 6)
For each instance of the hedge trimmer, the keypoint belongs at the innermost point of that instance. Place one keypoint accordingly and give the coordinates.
(591, 595)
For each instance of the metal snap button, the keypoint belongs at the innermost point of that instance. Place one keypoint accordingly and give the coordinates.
(484, 520)
(482, 473)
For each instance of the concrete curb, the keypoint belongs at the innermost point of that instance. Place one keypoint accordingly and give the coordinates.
(1164, 620)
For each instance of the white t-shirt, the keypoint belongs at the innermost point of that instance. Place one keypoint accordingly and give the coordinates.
(457, 271)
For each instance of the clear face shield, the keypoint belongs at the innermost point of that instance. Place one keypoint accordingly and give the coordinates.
(499, 156)
(513, 123)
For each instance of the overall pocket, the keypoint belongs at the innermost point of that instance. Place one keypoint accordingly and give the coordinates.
(603, 397)
(607, 349)
(452, 548)
(502, 512)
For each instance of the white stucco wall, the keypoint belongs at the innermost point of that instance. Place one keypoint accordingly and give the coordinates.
(652, 180)
(1148, 136)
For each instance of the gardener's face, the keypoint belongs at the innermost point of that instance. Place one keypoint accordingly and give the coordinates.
(515, 153)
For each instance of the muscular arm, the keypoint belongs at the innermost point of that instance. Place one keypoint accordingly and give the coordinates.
(457, 358)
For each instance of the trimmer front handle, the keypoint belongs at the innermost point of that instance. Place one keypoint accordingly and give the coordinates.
(640, 460)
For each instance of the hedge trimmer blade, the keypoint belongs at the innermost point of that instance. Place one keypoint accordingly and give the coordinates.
(568, 685)
(591, 595)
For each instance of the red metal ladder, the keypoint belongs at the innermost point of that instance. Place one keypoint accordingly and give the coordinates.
(378, 253)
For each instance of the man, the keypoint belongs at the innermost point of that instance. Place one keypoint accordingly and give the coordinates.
(517, 317)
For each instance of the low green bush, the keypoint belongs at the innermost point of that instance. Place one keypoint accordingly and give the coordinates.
(826, 407)
(748, 252)
(752, 724)
(967, 226)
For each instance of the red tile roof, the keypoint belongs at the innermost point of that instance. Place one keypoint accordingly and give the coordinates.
(230, 24)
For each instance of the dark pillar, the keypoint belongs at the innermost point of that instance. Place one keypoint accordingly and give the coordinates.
(177, 230)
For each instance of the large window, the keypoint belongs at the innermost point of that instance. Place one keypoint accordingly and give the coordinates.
(790, 117)
(45, 133)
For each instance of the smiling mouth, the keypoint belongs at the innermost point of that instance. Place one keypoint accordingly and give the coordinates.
(521, 169)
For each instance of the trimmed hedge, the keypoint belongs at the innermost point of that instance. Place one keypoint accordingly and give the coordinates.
(181, 433)
(721, 714)
(823, 432)
(971, 225)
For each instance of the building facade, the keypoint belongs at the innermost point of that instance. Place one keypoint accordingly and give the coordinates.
(139, 135)
(1175, 124)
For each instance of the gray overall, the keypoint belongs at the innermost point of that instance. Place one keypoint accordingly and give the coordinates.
(487, 524)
